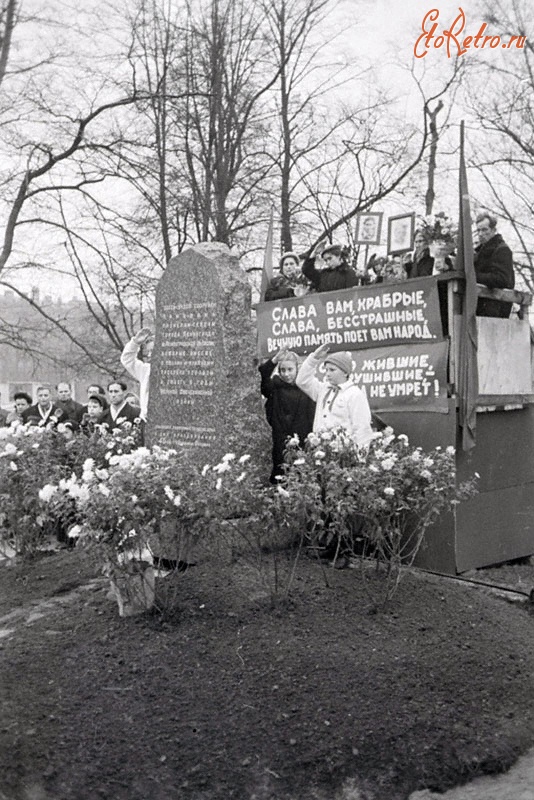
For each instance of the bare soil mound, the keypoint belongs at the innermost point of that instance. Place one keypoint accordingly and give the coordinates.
(228, 698)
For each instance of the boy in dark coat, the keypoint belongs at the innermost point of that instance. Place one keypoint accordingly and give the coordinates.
(337, 274)
(289, 411)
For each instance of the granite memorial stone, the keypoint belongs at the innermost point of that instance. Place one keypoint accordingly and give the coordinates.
(204, 387)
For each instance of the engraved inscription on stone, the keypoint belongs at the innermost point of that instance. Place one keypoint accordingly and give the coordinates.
(187, 363)
(202, 368)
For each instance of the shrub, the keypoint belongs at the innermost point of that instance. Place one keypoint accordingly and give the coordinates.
(375, 502)
(35, 457)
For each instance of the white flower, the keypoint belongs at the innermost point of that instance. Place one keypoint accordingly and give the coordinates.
(114, 460)
(228, 457)
(326, 436)
(299, 461)
(450, 450)
(87, 477)
(218, 484)
(294, 441)
(205, 469)
(241, 477)
(102, 474)
(47, 492)
(88, 464)
(319, 454)
(177, 500)
(389, 491)
(169, 492)
(224, 466)
(9, 449)
(313, 439)
(79, 493)
(428, 462)
(282, 491)
(388, 431)
(244, 458)
(373, 468)
(13, 466)
(388, 463)
(74, 532)
(416, 456)
(426, 474)
(402, 438)
(103, 489)
(134, 498)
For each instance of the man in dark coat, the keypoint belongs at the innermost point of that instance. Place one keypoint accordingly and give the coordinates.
(337, 274)
(494, 267)
(119, 410)
(73, 411)
(44, 413)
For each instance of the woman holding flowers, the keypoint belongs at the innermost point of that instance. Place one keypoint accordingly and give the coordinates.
(420, 263)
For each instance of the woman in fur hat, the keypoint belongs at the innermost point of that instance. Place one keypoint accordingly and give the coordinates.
(290, 282)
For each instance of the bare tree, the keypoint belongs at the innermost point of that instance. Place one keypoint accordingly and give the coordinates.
(502, 141)
(7, 25)
(229, 76)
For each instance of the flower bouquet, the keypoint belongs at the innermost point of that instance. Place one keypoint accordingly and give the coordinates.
(441, 233)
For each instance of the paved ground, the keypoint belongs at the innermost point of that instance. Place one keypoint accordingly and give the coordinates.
(517, 784)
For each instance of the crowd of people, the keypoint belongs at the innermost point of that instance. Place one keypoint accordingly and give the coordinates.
(328, 268)
(57, 408)
(110, 408)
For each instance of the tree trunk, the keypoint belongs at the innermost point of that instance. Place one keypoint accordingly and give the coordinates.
(434, 138)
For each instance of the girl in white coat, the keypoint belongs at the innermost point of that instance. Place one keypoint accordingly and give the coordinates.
(340, 403)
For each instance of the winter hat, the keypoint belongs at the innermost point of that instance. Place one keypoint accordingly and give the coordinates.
(98, 398)
(342, 360)
(283, 257)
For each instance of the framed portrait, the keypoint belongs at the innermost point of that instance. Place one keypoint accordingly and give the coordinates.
(368, 228)
(401, 231)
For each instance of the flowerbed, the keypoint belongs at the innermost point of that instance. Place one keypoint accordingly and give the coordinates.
(137, 508)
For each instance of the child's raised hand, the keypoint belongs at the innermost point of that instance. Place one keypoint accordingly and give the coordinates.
(143, 335)
(322, 351)
(280, 355)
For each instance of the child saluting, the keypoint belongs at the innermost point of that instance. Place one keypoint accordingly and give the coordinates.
(340, 403)
(289, 411)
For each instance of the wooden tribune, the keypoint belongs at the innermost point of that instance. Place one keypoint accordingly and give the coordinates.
(498, 524)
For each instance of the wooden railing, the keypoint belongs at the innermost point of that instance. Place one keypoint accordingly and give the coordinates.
(523, 299)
